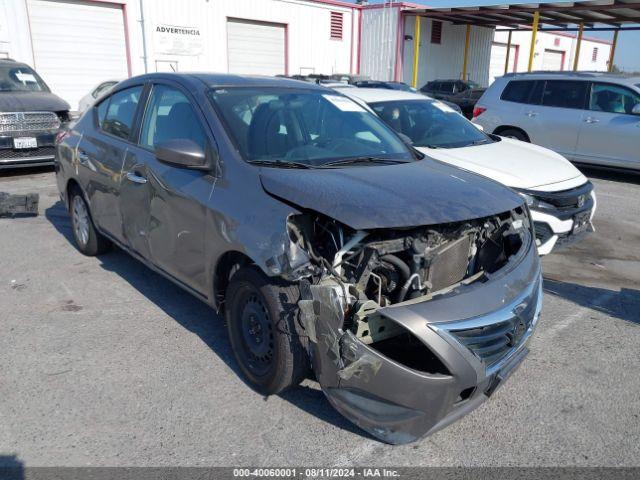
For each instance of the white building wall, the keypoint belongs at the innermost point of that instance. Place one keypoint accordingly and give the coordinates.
(309, 47)
(558, 42)
(445, 60)
(379, 42)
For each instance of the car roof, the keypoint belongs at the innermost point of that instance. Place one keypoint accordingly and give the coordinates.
(587, 76)
(372, 95)
(216, 80)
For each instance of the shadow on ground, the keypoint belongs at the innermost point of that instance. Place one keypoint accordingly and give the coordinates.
(196, 317)
(624, 304)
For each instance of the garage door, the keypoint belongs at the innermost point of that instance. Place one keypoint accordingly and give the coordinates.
(255, 47)
(553, 60)
(77, 45)
(498, 58)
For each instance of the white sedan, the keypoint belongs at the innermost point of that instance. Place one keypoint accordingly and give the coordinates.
(561, 199)
(95, 93)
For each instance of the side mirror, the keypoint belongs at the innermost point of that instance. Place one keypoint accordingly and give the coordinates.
(636, 109)
(185, 153)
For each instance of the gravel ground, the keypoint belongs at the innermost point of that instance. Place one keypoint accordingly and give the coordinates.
(105, 363)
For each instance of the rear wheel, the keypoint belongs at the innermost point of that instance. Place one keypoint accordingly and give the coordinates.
(514, 133)
(88, 240)
(261, 315)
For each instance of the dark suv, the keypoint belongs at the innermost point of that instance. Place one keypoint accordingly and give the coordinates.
(409, 286)
(30, 117)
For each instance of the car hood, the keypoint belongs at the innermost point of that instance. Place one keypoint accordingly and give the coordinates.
(514, 163)
(425, 192)
(31, 102)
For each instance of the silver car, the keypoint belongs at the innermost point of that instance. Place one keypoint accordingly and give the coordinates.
(410, 287)
(591, 118)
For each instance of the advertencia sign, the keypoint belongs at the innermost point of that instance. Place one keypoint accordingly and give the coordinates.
(178, 40)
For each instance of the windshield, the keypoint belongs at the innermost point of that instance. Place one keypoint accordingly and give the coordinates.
(299, 126)
(15, 78)
(430, 123)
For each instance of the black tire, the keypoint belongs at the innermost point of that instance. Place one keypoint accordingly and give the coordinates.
(514, 133)
(88, 240)
(262, 320)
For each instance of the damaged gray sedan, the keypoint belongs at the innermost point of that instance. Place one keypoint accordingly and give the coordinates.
(410, 287)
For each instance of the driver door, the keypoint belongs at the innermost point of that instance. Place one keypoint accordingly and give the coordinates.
(177, 196)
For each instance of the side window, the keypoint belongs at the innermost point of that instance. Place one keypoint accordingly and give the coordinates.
(612, 98)
(565, 94)
(102, 110)
(518, 91)
(118, 120)
(170, 116)
(446, 87)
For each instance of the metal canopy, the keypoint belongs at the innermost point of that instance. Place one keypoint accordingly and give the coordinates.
(613, 13)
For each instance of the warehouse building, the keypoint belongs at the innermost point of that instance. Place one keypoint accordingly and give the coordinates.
(389, 31)
(554, 51)
(74, 44)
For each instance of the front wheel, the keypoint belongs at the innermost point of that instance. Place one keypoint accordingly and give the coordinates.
(88, 240)
(515, 133)
(261, 315)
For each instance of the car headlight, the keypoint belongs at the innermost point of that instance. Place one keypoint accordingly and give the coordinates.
(536, 203)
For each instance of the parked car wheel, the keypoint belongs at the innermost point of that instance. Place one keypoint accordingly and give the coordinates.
(88, 240)
(514, 133)
(261, 317)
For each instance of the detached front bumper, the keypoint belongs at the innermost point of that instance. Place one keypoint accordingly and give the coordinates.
(477, 332)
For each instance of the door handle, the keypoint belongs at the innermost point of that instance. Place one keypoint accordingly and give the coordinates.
(531, 113)
(135, 178)
(591, 120)
(83, 158)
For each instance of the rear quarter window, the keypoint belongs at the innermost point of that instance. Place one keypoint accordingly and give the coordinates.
(518, 91)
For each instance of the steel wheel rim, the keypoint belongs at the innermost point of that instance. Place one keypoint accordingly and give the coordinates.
(80, 220)
(257, 335)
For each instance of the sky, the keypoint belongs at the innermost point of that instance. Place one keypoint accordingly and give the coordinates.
(627, 54)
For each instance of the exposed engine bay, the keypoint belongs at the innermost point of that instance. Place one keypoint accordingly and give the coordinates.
(379, 268)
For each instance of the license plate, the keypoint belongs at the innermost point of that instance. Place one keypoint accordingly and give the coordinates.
(25, 142)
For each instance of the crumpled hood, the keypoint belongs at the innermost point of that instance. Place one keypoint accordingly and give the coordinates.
(425, 192)
(31, 102)
(513, 163)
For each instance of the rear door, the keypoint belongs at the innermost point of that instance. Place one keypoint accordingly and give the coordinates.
(609, 131)
(554, 120)
(177, 196)
(101, 154)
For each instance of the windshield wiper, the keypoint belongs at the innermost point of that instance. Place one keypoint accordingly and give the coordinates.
(360, 160)
(484, 141)
(280, 164)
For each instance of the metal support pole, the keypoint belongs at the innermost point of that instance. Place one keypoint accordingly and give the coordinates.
(506, 62)
(416, 52)
(613, 51)
(534, 33)
(576, 57)
(465, 63)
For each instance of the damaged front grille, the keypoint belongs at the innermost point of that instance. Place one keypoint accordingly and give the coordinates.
(493, 342)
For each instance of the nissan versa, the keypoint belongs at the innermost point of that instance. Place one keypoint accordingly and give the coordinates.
(410, 287)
